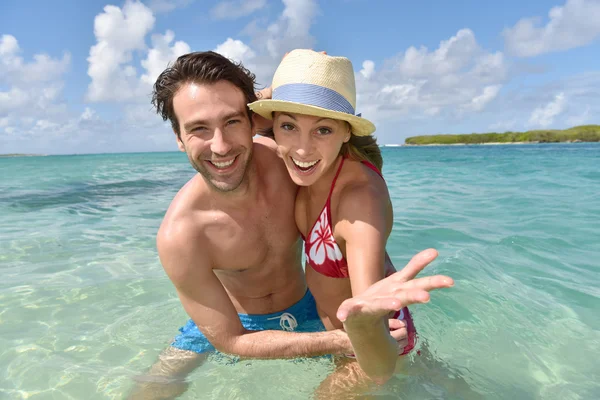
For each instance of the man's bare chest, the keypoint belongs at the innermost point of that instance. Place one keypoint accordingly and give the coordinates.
(242, 241)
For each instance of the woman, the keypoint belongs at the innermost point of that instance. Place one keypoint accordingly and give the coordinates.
(343, 208)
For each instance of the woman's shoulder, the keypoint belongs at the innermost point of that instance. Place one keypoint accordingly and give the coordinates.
(358, 175)
(358, 186)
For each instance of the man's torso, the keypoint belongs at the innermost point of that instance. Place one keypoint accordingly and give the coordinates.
(254, 248)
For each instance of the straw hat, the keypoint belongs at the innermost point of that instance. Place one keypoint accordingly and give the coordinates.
(312, 83)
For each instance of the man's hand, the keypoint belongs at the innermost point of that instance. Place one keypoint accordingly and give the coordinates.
(393, 293)
(264, 94)
(399, 332)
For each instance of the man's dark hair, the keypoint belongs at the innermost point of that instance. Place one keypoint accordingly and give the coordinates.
(206, 67)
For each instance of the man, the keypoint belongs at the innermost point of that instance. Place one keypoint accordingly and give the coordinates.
(229, 242)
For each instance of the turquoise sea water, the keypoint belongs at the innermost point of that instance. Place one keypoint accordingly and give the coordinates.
(85, 304)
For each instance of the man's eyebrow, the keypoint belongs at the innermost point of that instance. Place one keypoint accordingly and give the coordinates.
(196, 122)
(235, 114)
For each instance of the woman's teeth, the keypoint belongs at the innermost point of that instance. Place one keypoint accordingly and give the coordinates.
(304, 165)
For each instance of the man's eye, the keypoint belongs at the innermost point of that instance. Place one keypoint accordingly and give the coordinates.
(198, 129)
(233, 121)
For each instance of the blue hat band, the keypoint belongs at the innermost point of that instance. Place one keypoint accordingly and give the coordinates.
(313, 95)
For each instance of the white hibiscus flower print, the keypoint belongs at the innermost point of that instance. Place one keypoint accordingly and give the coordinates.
(321, 241)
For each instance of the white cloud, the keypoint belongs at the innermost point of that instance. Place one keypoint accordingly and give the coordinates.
(163, 6)
(368, 68)
(403, 94)
(543, 116)
(9, 60)
(88, 115)
(236, 50)
(34, 88)
(292, 30)
(118, 33)
(236, 9)
(14, 70)
(269, 42)
(452, 55)
(478, 103)
(161, 54)
(13, 99)
(457, 78)
(573, 25)
(32, 106)
(8, 46)
(557, 104)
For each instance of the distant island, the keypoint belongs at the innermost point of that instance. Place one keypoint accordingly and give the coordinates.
(21, 155)
(584, 133)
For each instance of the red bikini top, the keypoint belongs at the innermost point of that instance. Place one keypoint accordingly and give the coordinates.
(322, 252)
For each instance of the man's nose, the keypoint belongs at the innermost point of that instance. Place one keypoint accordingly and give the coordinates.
(219, 144)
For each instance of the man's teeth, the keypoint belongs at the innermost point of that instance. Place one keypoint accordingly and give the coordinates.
(223, 164)
(304, 164)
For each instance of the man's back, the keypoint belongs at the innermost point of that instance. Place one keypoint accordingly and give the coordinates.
(253, 249)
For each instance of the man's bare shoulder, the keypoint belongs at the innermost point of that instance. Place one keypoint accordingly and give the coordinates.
(266, 142)
(271, 167)
(179, 238)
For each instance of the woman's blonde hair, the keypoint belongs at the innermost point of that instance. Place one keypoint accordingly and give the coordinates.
(363, 148)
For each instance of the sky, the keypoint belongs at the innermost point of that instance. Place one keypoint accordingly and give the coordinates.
(76, 76)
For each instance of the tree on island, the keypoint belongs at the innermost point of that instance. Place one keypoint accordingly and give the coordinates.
(584, 133)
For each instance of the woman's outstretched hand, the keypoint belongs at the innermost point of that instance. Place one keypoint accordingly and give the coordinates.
(393, 293)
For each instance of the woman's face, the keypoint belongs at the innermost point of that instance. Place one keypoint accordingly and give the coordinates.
(309, 145)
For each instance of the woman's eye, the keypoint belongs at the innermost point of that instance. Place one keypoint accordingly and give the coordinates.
(287, 127)
(323, 131)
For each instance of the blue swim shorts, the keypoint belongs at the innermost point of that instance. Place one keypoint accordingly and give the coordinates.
(300, 317)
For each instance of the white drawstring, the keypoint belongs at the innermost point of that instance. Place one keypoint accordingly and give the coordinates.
(287, 321)
(401, 315)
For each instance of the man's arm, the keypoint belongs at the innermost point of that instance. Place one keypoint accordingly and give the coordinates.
(207, 303)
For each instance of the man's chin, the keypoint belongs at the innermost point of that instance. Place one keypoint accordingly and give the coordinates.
(227, 183)
(223, 180)
(224, 187)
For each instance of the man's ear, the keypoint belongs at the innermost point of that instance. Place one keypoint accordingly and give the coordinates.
(179, 142)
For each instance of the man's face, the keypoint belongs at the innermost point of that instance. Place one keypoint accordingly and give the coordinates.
(216, 133)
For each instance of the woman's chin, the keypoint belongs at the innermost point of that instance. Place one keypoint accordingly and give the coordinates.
(301, 181)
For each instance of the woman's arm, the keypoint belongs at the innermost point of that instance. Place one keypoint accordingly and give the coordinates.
(364, 219)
